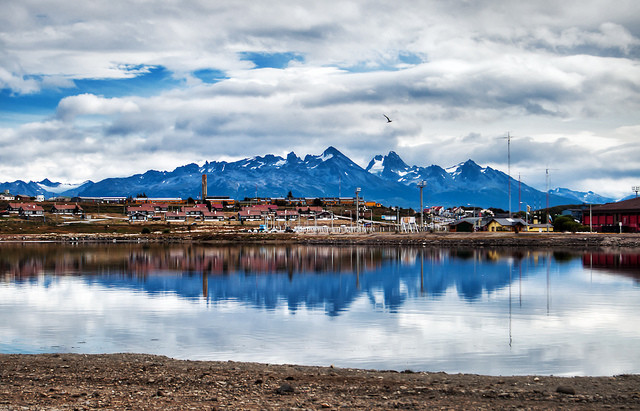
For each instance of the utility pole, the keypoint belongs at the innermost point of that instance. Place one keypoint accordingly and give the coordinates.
(422, 184)
(357, 207)
(508, 137)
(519, 193)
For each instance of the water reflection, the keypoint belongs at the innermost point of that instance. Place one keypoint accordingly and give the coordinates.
(220, 273)
(620, 263)
(457, 310)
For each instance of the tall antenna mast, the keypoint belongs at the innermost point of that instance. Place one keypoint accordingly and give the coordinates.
(509, 168)
(547, 178)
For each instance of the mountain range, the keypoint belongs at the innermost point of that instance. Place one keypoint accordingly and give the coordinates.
(386, 179)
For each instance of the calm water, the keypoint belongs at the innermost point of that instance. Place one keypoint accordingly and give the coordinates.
(473, 311)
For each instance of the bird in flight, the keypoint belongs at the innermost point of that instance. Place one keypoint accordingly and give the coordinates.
(388, 119)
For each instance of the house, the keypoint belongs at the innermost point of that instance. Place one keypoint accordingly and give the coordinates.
(622, 216)
(6, 196)
(249, 215)
(31, 210)
(175, 217)
(287, 215)
(13, 208)
(324, 215)
(505, 224)
(212, 216)
(465, 225)
(138, 216)
(307, 211)
(145, 209)
(160, 207)
(435, 210)
(67, 209)
(194, 212)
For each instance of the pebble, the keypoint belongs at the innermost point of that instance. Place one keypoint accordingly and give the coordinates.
(285, 389)
(563, 389)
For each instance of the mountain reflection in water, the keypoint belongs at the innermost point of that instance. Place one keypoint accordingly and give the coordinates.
(491, 311)
(220, 273)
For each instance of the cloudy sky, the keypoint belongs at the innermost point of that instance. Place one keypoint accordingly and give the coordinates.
(90, 90)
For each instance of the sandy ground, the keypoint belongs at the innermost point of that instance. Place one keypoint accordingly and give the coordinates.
(138, 381)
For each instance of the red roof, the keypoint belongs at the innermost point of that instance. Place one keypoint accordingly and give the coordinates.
(18, 205)
(261, 207)
(246, 213)
(31, 207)
(66, 207)
(194, 209)
(144, 207)
(286, 212)
(175, 214)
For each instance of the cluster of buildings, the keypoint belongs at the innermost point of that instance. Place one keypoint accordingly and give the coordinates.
(618, 217)
(202, 212)
(29, 210)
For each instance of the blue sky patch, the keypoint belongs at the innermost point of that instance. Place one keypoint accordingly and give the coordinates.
(210, 76)
(150, 81)
(409, 58)
(270, 60)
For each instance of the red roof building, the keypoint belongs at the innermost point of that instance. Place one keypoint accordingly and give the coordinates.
(623, 216)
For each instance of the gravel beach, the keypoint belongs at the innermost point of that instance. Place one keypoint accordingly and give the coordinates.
(139, 381)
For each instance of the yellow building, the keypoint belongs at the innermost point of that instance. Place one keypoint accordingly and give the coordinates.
(506, 224)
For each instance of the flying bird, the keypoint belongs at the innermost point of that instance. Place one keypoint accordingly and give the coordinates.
(388, 119)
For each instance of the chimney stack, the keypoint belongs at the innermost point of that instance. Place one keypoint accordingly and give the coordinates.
(204, 187)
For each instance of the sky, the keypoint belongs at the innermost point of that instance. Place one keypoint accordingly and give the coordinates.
(91, 90)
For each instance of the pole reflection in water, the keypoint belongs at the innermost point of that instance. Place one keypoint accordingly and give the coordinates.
(356, 306)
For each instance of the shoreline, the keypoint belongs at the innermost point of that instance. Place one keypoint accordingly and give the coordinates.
(141, 381)
(586, 241)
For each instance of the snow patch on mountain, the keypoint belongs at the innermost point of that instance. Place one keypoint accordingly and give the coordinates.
(59, 187)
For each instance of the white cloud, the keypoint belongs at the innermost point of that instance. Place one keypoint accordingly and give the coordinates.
(71, 107)
(564, 76)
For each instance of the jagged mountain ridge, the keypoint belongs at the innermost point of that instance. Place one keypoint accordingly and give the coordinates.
(469, 184)
(387, 179)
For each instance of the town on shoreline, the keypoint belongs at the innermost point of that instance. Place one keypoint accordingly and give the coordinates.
(322, 217)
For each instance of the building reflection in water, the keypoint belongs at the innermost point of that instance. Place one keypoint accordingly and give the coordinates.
(300, 274)
(21, 261)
